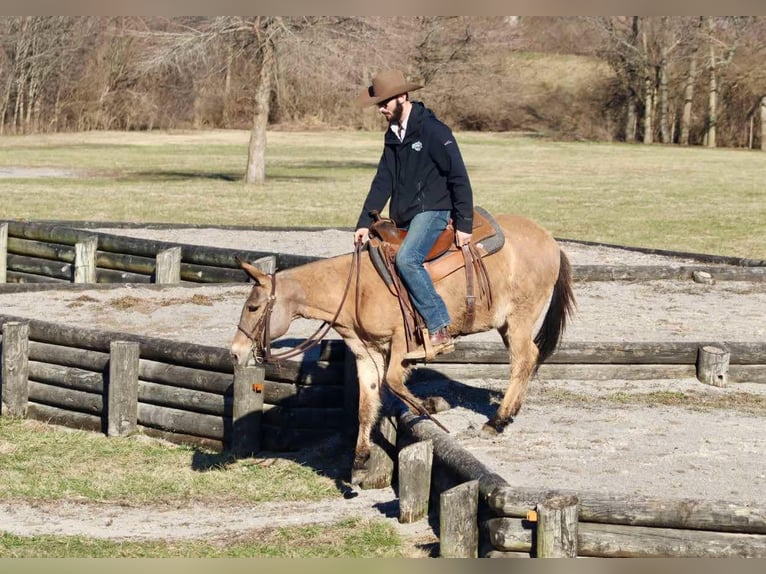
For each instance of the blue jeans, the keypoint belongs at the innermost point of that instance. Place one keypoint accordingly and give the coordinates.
(422, 233)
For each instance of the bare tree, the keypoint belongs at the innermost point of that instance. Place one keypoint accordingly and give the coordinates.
(690, 80)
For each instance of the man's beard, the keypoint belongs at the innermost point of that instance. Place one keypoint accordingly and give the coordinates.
(396, 115)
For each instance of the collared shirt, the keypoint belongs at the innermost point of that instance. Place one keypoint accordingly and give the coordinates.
(400, 130)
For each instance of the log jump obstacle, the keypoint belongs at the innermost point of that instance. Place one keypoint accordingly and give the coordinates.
(118, 383)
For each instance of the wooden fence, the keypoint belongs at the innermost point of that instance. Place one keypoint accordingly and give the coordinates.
(181, 392)
(508, 521)
(55, 254)
(51, 253)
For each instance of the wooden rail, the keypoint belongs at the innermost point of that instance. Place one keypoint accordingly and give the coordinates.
(184, 392)
(44, 252)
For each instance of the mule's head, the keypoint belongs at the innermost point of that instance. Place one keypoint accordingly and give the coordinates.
(264, 307)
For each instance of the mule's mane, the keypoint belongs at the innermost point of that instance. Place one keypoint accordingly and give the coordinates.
(322, 272)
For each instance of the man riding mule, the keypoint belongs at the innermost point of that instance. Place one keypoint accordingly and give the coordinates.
(423, 175)
(527, 274)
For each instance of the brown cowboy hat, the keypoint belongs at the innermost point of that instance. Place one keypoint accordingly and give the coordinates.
(385, 85)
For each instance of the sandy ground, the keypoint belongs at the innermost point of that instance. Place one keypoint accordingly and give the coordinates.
(597, 444)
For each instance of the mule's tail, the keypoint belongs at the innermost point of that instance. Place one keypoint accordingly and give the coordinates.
(561, 308)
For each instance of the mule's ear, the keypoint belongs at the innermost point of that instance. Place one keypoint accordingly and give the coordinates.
(255, 274)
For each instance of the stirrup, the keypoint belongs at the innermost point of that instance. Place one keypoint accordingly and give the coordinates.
(427, 351)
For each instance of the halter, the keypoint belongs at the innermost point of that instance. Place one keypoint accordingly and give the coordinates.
(260, 333)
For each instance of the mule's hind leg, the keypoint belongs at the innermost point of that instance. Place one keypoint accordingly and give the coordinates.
(522, 356)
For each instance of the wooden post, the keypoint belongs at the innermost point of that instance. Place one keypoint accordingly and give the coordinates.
(247, 409)
(168, 266)
(713, 366)
(557, 527)
(122, 388)
(458, 521)
(14, 385)
(415, 464)
(3, 252)
(382, 455)
(85, 260)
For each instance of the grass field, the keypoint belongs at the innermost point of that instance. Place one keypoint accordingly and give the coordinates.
(666, 197)
(39, 462)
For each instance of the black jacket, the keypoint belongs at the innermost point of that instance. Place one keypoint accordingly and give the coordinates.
(425, 172)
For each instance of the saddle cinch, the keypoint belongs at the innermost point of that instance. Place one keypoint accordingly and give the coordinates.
(444, 258)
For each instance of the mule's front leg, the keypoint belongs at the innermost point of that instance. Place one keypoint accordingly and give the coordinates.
(369, 375)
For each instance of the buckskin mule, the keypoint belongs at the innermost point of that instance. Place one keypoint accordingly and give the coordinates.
(529, 273)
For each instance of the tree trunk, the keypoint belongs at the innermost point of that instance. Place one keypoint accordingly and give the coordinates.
(630, 119)
(649, 108)
(227, 87)
(648, 95)
(763, 123)
(713, 93)
(664, 106)
(256, 153)
(686, 118)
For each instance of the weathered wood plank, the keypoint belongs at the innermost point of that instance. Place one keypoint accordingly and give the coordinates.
(623, 352)
(122, 388)
(68, 377)
(683, 513)
(380, 466)
(557, 527)
(63, 417)
(183, 422)
(168, 268)
(592, 372)
(415, 465)
(458, 525)
(612, 540)
(183, 398)
(713, 366)
(14, 384)
(40, 267)
(31, 248)
(85, 260)
(68, 399)
(247, 410)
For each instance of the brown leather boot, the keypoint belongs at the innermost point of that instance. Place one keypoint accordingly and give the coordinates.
(437, 343)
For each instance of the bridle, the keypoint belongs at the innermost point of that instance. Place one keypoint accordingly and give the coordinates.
(260, 336)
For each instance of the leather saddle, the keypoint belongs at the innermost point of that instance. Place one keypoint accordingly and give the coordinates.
(444, 258)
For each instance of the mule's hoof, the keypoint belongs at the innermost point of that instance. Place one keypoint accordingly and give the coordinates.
(494, 427)
(359, 469)
(358, 475)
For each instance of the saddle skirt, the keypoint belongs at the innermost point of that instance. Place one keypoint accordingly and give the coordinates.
(487, 237)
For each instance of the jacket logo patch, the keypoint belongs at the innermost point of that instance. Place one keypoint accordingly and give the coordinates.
(417, 146)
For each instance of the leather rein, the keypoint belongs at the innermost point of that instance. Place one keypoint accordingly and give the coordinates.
(260, 334)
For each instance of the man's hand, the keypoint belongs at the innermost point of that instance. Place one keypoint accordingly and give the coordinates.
(462, 238)
(361, 235)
